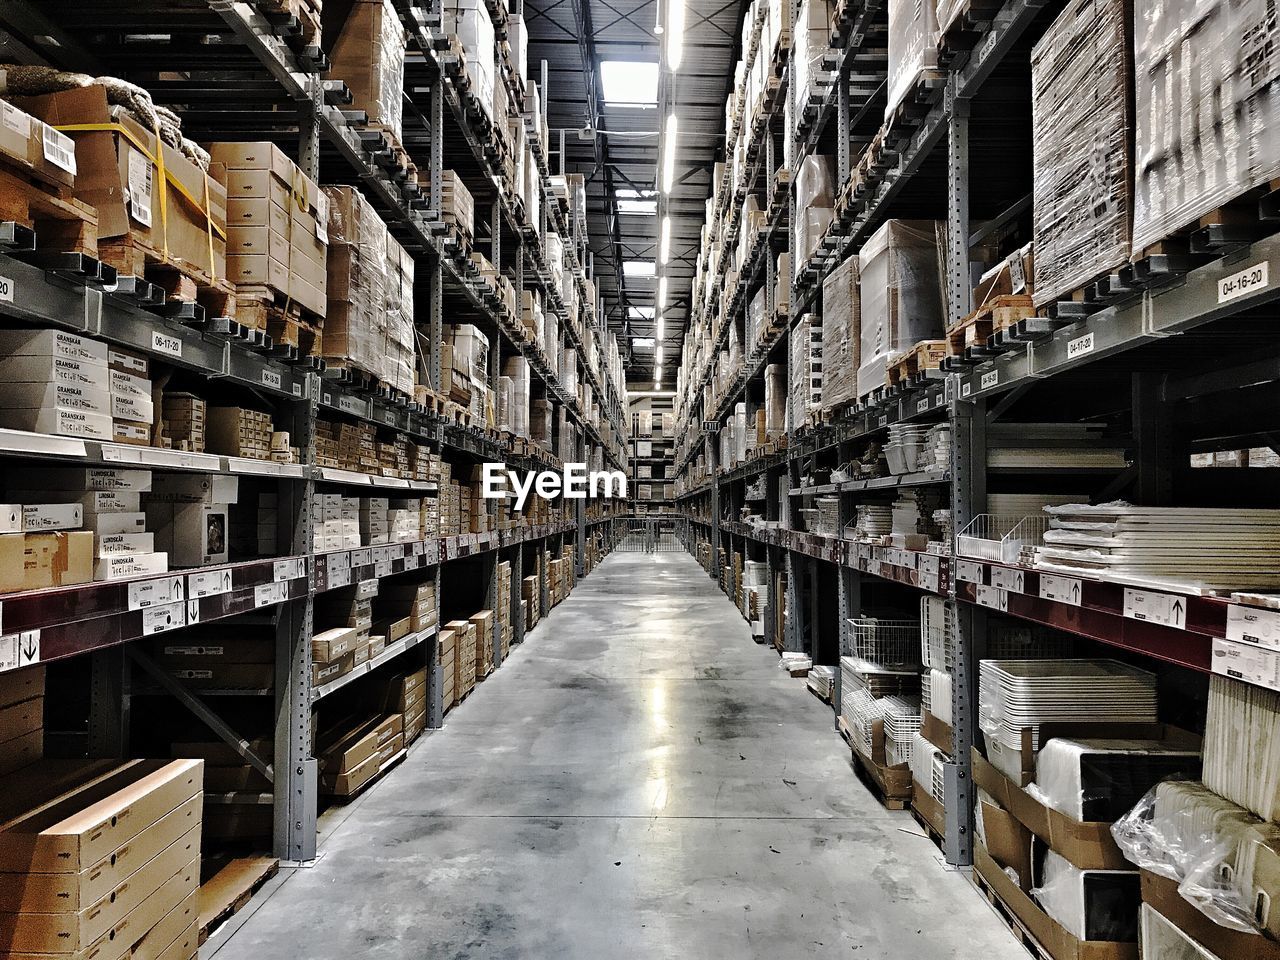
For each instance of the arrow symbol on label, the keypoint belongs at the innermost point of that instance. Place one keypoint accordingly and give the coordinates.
(1177, 610)
(30, 650)
(1075, 592)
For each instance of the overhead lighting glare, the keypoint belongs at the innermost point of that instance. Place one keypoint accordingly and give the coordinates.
(640, 313)
(669, 155)
(665, 245)
(637, 268)
(629, 83)
(641, 203)
(657, 356)
(675, 34)
(661, 329)
(662, 293)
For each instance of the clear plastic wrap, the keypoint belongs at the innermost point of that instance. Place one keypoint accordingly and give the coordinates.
(369, 57)
(357, 281)
(1089, 904)
(812, 43)
(459, 206)
(775, 399)
(901, 302)
(948, 11)
(815, 198)
(1226, 861)
(1242, 745)
(805, 385)
(469, 20)
(1206, 107)
(1080, 114)
(913, 46)
(841, 334)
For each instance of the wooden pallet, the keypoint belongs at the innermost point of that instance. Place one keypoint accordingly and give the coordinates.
(182, 282)
(820, 697)
(61, 223)
(872, 774)
(938, 839)
(1005, 913)
(917, 362)
(966, 27)
(998, 313)
(230, 889)
(392, 762)
(265, 308)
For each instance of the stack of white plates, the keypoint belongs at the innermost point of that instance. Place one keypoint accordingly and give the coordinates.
(905, 448)
(906, 516)
(1185, 548)
(927, 763)
(937, 451)
(1242, 745)
(901, 724)
(874, 520)
(1018, 694)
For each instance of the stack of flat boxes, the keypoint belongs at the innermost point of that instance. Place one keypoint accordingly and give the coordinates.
(464, 657)
(408, 696)
(356, 449)
(21, 718)
(459, 207)
(238, 432)
(478, 508)
(357, 282)
(104, 861)
(326, 445)
(446, 659)
(450, 508)
(399, 341)
(208, 658)
(484, 627)
(351, 610)
(503, 613)
(429, 516)
(56, 383)
(353, 754)
(133, 414)
(335, 522)
(531, 600)
(276, 238)
(183, 421)
(419, 598)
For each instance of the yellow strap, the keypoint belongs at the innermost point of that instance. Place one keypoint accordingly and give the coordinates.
(165, 175)
(208, 230)
(162, 184)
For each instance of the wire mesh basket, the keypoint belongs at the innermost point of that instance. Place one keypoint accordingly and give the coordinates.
(938, 633)
(1001, 538)
(935, 694)
(901, 724)
(1011, 640)
(860, 711)
(889, 642)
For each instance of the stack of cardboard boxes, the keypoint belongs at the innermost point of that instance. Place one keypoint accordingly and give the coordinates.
(446, 660)
(408, 697)
(277, 243)
(104, 861)
(344, 631)
(464, 657)
(503, 613)
(21, 718)
(210, 658)
(335, 522)
(351, 756)
(239, 432)
(368, 56)
(183, 421)
(484, 624)
(190, 515)
(56, 383)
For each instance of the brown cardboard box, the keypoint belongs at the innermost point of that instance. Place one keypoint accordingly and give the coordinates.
(359, 743)
(930, 809)
(22, 140)
(78, 829)
(322, 673)
(1008, 842)
(346, 784)
(19, 685)
(1060, 944)
(103, 162)
(408, 694)
(1162, 894)
(1125, 731)
(414, 724)
(72, 892)
(34, 561)
(329, 645)
(21, 751)
(936, 732)
(22, 718)
(1089, 846)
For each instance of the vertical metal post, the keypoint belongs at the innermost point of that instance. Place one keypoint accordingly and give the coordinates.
(109, 703)
(1152, 439)
(713, 468)
(842, 122)
(959, 284)
(517, 586)
(435, 679)
(436, 318)
(580, 514)
(295, 786)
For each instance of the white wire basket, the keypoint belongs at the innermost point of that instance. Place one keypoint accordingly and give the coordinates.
(901, 724)
(1001, 538)
(938, 633)
(889, 642)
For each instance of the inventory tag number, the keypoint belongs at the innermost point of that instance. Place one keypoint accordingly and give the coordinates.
(166, 343)
(1243, 283)
(6, 289)
(271, 379)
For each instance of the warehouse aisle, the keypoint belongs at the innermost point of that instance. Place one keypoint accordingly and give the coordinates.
(639, 780)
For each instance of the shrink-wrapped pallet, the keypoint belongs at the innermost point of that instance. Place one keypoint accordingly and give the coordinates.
(1080, 93)
(913, 47)
(1205, 109)
(841, 334)
(812, 43)
(357, 282)
(901, 302)
(368, 55)
(815, 203)
(469, 21)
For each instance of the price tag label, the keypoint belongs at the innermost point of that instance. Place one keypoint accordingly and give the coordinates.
(266, 594)
(992, 597)
(382, 569)
(1253, 625)
(289, 569)
(339, 578)
(928, 580)
(1166, 609)
(1007, 579)
(19, 650)
(208, 584)
(166, 343)
(7, 289)
(969, 571)
(272, 379)
(1060, 589)
(929, 564)
(1247, 281)
(153, 593)
(1243, 661)
(351, 405)
(966, 389)
(362, 557)
(171, 616)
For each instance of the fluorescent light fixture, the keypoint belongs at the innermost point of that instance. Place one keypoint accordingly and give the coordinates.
(665, 245)
(641, 313)
(669, 154)
(637, 268)
(657, 384)
(657, 355)
(642, 343)
(675, 34)
(662, 293)
(661, 334)
(640, 203)
(629, 83)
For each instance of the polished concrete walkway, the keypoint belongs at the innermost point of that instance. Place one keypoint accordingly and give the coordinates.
(639, 780)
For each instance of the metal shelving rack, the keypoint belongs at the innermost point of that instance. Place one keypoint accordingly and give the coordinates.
(1144, 307)
(268, 85)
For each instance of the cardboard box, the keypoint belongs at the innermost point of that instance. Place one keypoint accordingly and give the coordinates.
(35, 561)
(1057, 941)
(32, 342)
(322, 673)
(192, 534)
(22, 140)
(116, 178)
(940, 734)
(1162, 894)
(58, 421)
(19, 685)
(21, 751)
(1088, 845)
(329, 645)
(126, 566)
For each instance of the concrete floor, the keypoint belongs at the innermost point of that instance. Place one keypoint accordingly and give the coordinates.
(639, 780)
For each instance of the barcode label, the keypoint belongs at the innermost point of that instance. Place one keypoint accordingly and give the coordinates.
(59, 149)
